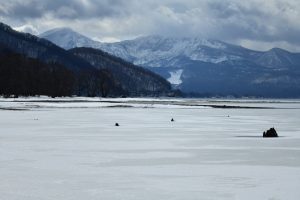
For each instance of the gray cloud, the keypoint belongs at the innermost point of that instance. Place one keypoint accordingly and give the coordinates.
(73, 9)
(254, 23)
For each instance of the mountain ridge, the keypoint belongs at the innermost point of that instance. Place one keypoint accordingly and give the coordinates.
(187, 62)
(39, 48)
(90, 80)
(144, 81)
(67, 38)
(136, 50)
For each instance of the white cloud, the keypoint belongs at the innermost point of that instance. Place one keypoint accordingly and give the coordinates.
(265, 46)
(106, 39)
(27, 28)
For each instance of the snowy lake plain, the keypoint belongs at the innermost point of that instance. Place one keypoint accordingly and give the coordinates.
(70, 149)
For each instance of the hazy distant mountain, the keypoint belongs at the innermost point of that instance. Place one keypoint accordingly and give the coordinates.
(205, 66)
(67, 38)
(278, 58)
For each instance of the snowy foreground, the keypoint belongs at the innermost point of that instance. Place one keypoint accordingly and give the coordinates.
(69, 149)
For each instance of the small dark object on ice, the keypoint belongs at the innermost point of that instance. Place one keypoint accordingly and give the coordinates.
(172, 120)
(117, 124)
(270, 133)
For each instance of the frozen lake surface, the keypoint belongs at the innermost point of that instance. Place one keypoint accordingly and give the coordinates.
(70, 149)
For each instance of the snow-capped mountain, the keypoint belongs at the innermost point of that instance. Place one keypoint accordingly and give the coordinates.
(151, 51)
(37, 48)
(67, 38)
(200, 65)
(158, 51)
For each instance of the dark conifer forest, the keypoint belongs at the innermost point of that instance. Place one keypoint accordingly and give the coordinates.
(22, 76)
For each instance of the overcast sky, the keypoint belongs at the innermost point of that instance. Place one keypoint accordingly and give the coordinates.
(256, 24)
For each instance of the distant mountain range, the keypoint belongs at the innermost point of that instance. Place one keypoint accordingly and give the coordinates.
(200, 66)
(89, 77)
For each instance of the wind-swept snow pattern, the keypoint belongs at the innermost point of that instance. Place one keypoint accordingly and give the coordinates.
(70, 149)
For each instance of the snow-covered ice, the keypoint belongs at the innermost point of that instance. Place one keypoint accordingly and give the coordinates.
(71, 150)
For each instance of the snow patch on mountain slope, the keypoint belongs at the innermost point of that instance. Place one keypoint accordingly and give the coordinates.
(175, 78)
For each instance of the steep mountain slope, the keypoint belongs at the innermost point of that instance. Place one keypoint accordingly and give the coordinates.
(135, 80)
(203, 66)
(87, 79)
(27, 76)
(90, 80)
(41, 49)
